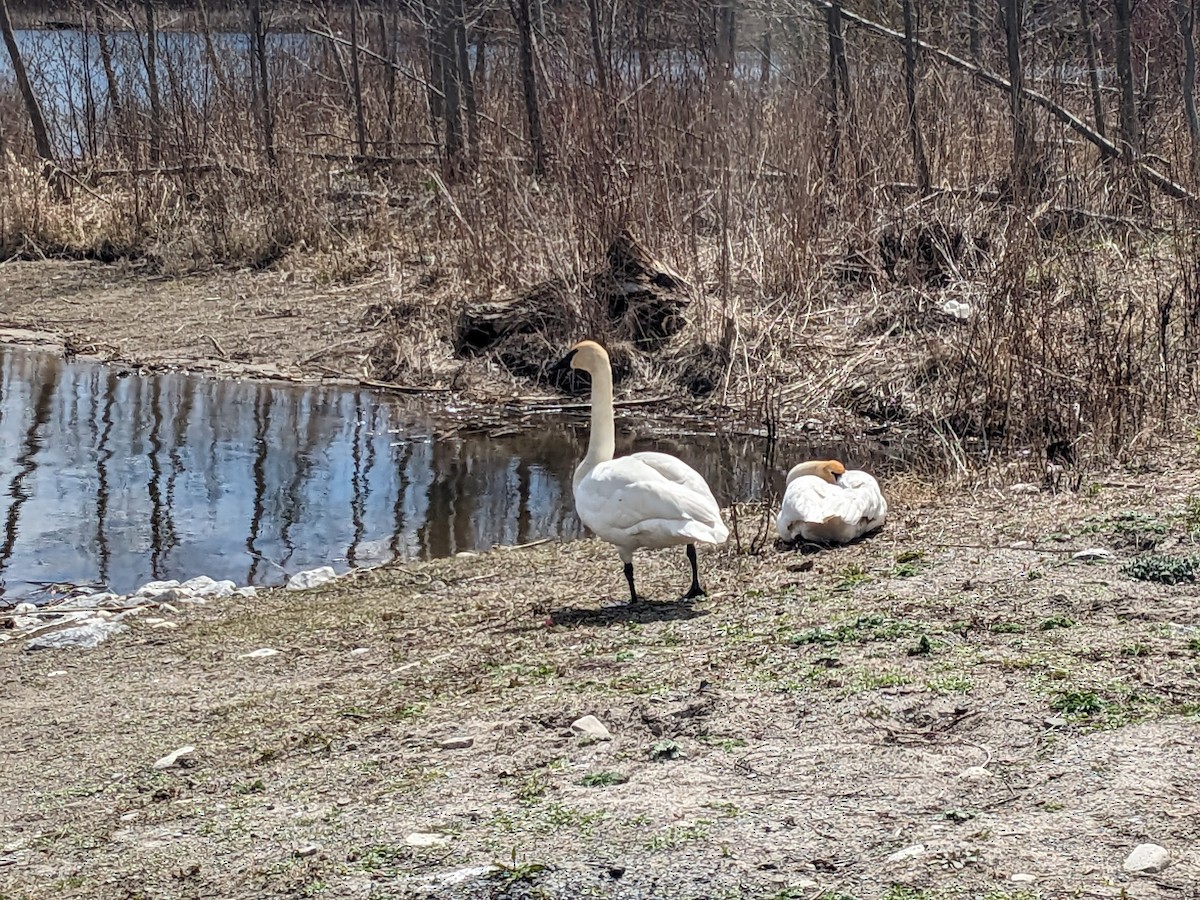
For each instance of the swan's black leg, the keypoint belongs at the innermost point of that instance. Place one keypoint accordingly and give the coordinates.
(633, 597)
(695, 590)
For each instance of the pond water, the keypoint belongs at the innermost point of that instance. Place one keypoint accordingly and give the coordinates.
(110, 478)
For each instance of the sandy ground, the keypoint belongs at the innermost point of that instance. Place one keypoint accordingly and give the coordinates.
(232, 322)
(953, 708)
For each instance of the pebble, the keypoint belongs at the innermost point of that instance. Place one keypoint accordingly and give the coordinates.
(465, 554)
(907, 853)
(1021, 878)
(427, 839)
(57, 673)
(591, 727)
(129, 817)
(975, 773)
(90, 634)
(165, 625)
(456, 743)
(1147, 859)
(260, 653)
(360, 651)
(306, 850)
(1055, 722)
(1093, 553)
(1026, 487)
(1021, 545)
(302, 581)
(174, 756)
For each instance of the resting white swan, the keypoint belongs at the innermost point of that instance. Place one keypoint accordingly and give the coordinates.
(642, 500)
(825, 503)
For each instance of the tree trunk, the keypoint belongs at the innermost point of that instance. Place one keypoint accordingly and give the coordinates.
(726, 39)
(360, 121)
(259, 53)
(1187, 25)
(387, 37)
(837, 55)
(910, 94)
(598, 57)
(1013, 12)
(1093, 62)
(764, 54)
(210, 51)
(973, 37)
(110, 75)
(41, 136)
(152, 83)
(479, 77)
(463, 60)
(1130, 131)
(522, 16)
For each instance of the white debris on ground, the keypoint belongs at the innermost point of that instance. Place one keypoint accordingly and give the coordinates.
(85, 620)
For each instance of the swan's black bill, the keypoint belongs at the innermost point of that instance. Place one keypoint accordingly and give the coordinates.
(562, 364)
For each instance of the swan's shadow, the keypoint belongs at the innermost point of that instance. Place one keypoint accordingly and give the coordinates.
(643, 612)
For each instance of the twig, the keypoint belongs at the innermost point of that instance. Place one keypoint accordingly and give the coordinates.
(401, 388)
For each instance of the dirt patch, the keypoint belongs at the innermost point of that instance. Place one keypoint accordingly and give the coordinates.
(798, 733)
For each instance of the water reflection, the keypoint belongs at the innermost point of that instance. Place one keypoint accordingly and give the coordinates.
(110, 478)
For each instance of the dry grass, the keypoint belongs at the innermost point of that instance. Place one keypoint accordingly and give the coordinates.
(816, 290)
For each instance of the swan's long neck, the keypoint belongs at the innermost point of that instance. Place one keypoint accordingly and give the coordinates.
(601, 441)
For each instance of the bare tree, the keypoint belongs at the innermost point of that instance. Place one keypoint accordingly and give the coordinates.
(156, 113)
(360, 121)
(973, 37)
(1013, 14)
(259, 53)
(599, 60)
(1186, 11)
(839, 84)
(1093, 61)
(41, 136)
(522, 16)
(910, 96)
(726, 38)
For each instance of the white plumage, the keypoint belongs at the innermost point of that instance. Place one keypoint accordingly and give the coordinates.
(649, 500)
(826, 504)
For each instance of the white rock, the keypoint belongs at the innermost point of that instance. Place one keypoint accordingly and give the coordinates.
(306, 850)
(1021, 545)
(154, 588)
(174, 756)
(25, 623)
(1147, 859)
(168, 608)
(975, 773)
(427, 839)
(360, 651)
(90, 634)
(907, 853)
(165, 625)
(91, 601)
(24, 609)
(591, 727)
(302, 581)
(458, 876)
(57, 673)
(1025, 487)
(129, 816)
(1021, 878)
(1093, 553)
(246, 592)
(465, 554)
(461, 742)
(260, 653)
(203, 586)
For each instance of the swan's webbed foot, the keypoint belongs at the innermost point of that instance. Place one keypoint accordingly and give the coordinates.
(695, 591)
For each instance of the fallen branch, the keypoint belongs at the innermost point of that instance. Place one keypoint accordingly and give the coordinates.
(1106, 147)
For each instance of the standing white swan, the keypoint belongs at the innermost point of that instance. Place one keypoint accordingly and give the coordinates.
(826, 504)
(648, 499)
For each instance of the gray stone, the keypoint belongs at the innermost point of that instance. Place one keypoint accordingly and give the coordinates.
(1054, 722)
(1093, 553)
(461, 742)
(24, 609)
(174, 757)
(203, 586)
(90, 634)
(907, 853)
(302, 581)
(1147, 859)
(591, 727)
(247, 591)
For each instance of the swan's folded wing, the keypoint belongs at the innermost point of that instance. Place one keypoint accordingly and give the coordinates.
(630, 496)
(676, 470)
